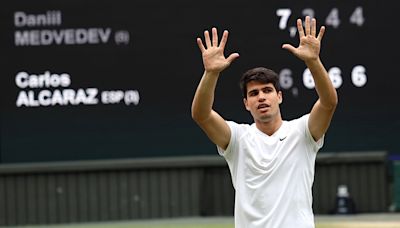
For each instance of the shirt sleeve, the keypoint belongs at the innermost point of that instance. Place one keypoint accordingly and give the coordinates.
(315, 144)
(232, 141)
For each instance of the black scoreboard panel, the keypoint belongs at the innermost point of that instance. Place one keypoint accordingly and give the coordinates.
(115, 79)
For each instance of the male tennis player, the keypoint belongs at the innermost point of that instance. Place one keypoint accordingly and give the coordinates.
(272, 160)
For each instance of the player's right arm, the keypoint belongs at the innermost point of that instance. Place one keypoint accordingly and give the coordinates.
(214, 62)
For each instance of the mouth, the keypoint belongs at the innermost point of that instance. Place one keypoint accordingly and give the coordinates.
(263, 106)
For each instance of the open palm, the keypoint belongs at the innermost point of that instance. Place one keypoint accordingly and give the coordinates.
(213, 54)
(310, 43)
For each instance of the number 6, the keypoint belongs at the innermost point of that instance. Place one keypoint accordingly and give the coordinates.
(358, 76)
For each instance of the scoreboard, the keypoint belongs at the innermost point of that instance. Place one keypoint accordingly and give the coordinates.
(115, 79)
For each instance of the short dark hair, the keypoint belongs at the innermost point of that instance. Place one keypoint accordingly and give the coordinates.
(259, 74)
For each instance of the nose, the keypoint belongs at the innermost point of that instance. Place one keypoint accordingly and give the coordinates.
(261, 96)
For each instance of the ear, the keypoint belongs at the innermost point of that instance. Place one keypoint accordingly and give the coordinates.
(246, 104)
(280, 97)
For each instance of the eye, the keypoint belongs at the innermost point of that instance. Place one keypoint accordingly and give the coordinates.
(268, 90)
(253, 93)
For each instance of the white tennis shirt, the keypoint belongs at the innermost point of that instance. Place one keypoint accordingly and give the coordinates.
(272, 175)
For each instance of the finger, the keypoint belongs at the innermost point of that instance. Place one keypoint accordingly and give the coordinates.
(224, 39)
(207, 39)
(200, 44)
(300, 28)
(307, 26)
(321, 33)
(289, 48)
(313, 27)
(232, 57)
(214, 37)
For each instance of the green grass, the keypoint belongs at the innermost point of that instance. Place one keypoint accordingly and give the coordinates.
(323, 225)
(366, 221)
(144, 225)
(179, 223)
(172, 225)
(359, 225)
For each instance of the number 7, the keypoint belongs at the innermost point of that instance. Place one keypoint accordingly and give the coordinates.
(284, 14)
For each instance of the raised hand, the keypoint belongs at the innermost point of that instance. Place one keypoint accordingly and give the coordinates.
(310, 42)
(213, 54)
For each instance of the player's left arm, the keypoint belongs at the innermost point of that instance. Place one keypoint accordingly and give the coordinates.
(308, 50)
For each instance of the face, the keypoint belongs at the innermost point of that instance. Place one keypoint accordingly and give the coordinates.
(262, 101)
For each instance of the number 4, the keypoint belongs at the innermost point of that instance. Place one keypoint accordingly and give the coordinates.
(357, 16)
(333, 18)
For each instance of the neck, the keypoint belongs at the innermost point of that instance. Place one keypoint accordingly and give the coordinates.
(270, 126)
